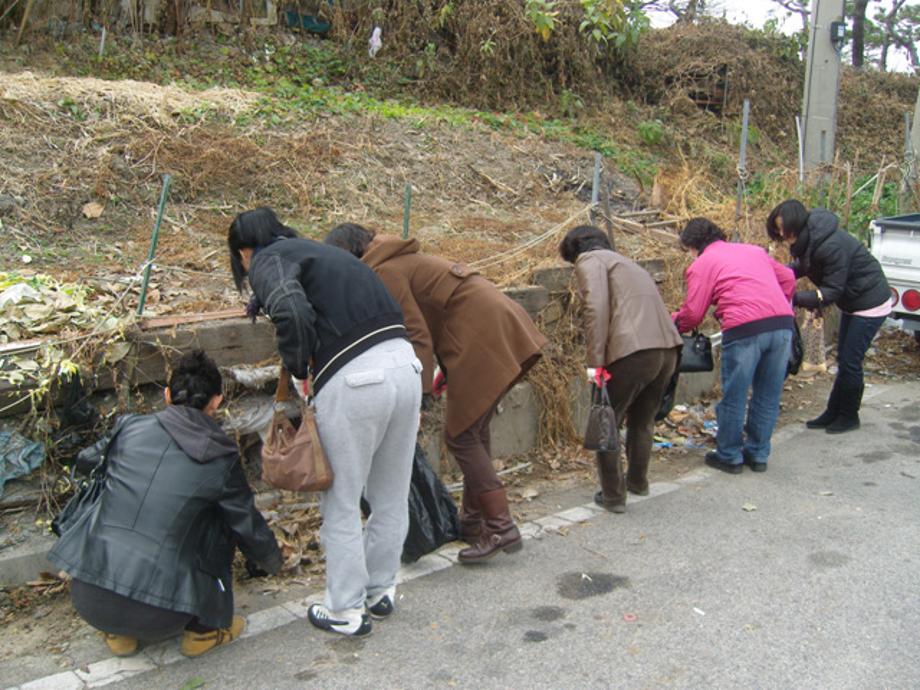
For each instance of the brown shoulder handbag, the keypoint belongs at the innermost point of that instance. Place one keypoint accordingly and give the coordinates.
(293, 459)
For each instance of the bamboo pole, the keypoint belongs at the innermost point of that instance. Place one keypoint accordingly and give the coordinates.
(25, 19)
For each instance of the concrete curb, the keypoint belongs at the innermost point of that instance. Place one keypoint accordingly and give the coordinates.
(113, 670)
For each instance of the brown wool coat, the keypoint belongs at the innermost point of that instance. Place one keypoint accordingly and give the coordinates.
(624, 312)
(483, 339)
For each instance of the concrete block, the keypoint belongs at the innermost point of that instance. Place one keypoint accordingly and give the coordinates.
(530, 530)
(532, 297)
(554, 278)
(691, 387)
(450, 551)
(268, 619)
(655, 268)
(164, 653)
(25, 562)
(577, 514)
(300, 607)
(423, 566)
(113, 670)
(552, 312)
(515, 426)
(59, 681)
(553, 523)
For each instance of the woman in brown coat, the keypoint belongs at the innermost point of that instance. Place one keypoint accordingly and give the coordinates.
(630, 335)
(484, 342)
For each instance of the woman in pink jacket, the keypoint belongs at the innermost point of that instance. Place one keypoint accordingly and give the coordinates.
(752, 295)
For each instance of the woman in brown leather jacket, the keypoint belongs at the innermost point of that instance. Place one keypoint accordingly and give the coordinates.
(484, 342)
(629, 335)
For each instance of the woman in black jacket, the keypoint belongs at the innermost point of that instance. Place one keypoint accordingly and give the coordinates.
(334, 319)
(152, 557)
(845, 274)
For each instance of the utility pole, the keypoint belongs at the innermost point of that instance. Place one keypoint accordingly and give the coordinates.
(826, 38)
(910, 190)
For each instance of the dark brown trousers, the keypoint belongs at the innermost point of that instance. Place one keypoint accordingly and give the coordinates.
(637, 384)
(472, 448)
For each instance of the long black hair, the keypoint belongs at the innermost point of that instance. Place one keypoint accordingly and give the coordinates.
(584, 238)
(251, 230)
(351, 237)
(699, 233)
(195, 380)
(794, 215)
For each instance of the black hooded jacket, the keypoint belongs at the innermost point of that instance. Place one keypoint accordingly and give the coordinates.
(175, 506)
(839, 264)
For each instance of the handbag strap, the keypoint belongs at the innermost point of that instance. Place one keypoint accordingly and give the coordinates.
(281, 392)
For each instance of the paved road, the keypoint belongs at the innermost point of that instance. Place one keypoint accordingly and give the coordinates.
(816, 585)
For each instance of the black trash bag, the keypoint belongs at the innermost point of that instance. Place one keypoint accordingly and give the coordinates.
(433, 518)
(669, 397)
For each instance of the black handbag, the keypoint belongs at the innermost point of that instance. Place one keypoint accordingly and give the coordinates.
(602, 433)
(696, 355)
(796, 352)
(87, 490)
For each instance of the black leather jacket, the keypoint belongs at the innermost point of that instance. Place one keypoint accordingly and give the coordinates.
(175, 506)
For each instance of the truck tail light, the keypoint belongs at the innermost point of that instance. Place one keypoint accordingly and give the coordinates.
(895, 297)
(911, 300)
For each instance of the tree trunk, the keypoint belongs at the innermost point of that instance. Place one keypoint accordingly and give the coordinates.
(859, 32)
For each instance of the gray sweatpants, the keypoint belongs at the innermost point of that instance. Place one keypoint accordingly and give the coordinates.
(367, 415)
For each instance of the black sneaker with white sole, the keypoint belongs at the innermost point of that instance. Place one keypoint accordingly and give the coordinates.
(381, 606)
(354, 623)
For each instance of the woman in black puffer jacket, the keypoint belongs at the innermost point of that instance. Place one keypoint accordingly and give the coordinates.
(845, 274)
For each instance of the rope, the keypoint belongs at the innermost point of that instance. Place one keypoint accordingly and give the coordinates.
(520, 249)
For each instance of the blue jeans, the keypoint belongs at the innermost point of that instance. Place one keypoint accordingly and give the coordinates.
(853, 341)
(757, 363)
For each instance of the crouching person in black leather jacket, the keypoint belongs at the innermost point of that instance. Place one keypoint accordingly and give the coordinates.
(151, 558)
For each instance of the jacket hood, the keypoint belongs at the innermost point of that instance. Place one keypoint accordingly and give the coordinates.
(385, 247)
(199, 436)
(820, 225)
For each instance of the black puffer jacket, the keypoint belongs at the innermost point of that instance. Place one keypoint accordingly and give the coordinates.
(175, 506)
(327, 307)
(839, 264)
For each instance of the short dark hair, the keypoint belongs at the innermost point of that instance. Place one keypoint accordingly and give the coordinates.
(584, 238)
(250, 230)
(351, 237)
(699, 233)
(194, 381)
(794, 215)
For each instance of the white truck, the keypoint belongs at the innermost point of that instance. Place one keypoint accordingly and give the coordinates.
(896, 245)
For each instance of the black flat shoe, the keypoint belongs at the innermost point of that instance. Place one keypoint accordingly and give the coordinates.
(712, 459)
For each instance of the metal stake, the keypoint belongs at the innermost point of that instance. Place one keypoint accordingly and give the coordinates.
(153, 244)
(407, 206)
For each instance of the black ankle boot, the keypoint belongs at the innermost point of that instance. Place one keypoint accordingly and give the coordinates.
(843, 423)
(823, 420)
(831, 411)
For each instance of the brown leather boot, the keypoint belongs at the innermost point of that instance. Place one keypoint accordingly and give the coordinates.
(470, 518)
(499, 532)
(613, 484)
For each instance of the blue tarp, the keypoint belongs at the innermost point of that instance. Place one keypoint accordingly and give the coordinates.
(18, 456)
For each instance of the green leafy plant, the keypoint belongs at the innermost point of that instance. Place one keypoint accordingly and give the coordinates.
(651, 132)
(543, 15)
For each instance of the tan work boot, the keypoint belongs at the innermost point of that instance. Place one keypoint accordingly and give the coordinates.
(195, 643)
(121, 645)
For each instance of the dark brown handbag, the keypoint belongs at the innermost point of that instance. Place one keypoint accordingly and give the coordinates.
(293, 459)
(602, 433)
